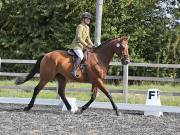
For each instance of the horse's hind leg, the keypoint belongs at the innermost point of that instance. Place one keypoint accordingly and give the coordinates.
(103, 89)
(61, 90)
(37, 89)
(47, 73)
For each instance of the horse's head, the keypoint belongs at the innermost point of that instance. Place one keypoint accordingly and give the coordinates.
(121, 49)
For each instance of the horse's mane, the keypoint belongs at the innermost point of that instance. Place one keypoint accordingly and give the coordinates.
(111, 40)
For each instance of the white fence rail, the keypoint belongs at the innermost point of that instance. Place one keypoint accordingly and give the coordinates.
(139, 78)
(125, 77)
(20, 61)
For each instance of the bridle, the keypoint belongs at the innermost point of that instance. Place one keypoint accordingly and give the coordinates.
(124, 59)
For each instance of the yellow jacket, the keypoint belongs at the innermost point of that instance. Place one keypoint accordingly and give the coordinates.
(82, 37)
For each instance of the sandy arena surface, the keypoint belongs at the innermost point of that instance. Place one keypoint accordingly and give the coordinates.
(50, 120)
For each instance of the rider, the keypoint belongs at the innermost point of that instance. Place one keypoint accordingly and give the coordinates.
(81, 41)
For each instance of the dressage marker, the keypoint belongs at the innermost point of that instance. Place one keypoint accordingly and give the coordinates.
(153, 98)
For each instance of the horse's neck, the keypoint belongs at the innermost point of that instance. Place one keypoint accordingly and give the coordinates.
(104, 55)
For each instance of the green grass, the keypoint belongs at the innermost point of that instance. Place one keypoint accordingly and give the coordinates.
(84, 96)
(165, 87)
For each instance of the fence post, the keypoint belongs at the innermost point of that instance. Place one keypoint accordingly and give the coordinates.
(99, 10)
(125, 84)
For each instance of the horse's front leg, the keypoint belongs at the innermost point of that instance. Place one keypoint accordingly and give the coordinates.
(94, 91)
(106, 92)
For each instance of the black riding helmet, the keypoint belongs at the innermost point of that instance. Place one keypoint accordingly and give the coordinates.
(86, 15)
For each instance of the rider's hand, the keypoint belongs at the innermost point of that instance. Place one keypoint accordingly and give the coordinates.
(87, 48)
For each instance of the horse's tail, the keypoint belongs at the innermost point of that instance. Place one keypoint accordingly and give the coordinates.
(34, 70)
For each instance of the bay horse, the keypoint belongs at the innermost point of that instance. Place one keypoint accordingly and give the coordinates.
(58, 64)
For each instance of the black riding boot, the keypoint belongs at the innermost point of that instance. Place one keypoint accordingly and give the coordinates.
(75, 67)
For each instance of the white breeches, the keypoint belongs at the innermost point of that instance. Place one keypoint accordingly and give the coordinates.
(79, 53)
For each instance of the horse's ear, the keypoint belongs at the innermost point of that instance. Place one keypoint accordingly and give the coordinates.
(124, 38)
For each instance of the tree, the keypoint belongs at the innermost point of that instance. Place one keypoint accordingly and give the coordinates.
(31, 27)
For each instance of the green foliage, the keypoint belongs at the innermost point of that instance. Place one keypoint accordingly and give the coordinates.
(31, 27)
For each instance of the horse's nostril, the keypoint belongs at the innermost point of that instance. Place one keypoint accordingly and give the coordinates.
(127, 62)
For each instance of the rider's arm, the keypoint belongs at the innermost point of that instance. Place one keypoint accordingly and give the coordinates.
(88, 40)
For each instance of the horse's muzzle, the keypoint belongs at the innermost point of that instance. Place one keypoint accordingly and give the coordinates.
(125, 61)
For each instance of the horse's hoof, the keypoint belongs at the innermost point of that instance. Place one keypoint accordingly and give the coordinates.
(79, 111)
(74, 110)
(117, 113)
(27, 108)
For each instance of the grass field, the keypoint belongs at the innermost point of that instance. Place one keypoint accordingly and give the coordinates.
(84, 96)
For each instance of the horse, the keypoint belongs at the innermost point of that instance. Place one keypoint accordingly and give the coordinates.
(58, 64)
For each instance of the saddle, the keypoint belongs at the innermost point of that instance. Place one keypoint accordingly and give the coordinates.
(74, 56)
(84, 62)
